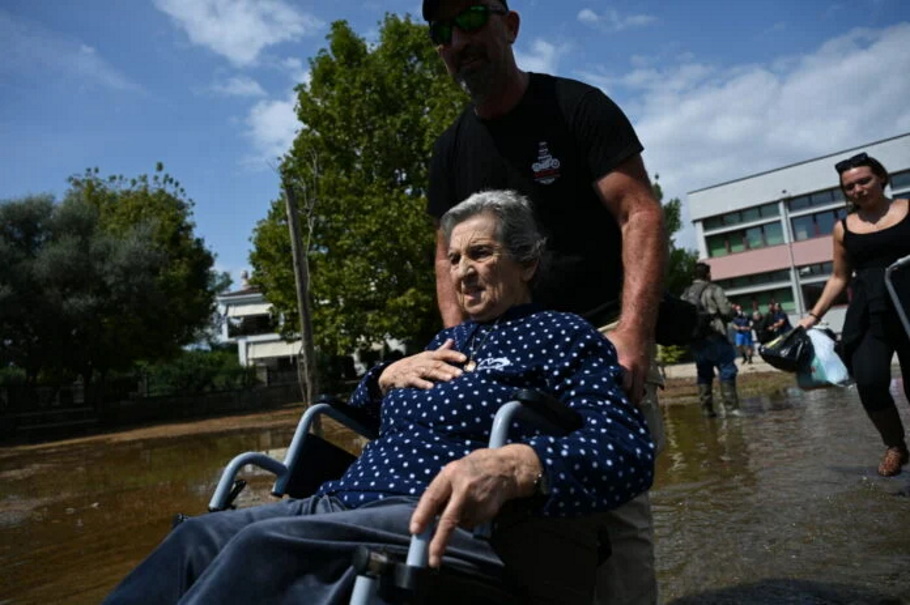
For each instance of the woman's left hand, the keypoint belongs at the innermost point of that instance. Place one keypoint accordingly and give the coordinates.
(472, 490)
(807, 322)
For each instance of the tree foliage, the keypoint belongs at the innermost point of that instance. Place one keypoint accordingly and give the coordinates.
(680, 264)
(680, 261)
(111, 275)
(369, 118)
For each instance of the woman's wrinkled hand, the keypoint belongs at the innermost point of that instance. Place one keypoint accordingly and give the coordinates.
(472, 490)
(423, 370)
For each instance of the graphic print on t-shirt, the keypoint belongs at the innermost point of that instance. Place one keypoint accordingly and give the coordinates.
(546, 168)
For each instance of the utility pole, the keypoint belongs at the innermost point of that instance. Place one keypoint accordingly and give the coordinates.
(306, 363)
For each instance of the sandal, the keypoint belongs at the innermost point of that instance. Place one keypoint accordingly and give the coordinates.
(895, 457)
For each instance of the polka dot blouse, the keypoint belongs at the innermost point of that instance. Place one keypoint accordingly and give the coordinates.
(598, 467)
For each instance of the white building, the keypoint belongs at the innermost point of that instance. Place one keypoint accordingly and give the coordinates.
(249, 324)
(768, 236)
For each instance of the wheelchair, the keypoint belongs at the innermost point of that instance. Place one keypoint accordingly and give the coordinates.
(546, 560)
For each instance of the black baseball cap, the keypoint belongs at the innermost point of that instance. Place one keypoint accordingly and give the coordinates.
(430, 7)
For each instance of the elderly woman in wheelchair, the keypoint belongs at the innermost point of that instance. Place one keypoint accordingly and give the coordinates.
(431, 461)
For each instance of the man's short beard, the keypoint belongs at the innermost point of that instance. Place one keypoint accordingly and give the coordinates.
(479, 84)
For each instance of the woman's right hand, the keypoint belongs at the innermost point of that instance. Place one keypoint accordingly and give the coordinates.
(424, 369)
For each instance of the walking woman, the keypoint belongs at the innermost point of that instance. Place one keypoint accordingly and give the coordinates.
(874, 235)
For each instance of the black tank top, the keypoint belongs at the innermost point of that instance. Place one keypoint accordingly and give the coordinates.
(872, 253)
(879, 248)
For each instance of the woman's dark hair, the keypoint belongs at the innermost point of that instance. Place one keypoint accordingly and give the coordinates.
(862, 159)
(516, 228)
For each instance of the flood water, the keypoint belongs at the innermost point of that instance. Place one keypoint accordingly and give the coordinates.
(781, 507)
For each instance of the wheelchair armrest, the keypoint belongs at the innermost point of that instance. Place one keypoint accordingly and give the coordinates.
(224, 492)
(354, 418)
(537, 409)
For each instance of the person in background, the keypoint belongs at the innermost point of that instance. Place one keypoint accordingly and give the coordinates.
(714, 350)
(779, 320)
(572, 151)
(874, 235)
(742, 323)
(758, 326)
(765, 330)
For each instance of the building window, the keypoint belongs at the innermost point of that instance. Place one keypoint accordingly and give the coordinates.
(816, 270)
(774, 234)
(739, 217)
(813, 200)
(817, 224)
(811, 293)
(900, 182)
(250, 325)
(756, 279)
(759, 301)
(753, 238)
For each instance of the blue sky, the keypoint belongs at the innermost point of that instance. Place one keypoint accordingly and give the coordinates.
(716, 89)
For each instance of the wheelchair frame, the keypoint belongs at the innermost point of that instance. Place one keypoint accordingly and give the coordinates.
(378, 572)
(901, 262)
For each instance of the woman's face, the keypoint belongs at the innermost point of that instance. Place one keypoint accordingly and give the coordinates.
(861, 185)
(487, 280)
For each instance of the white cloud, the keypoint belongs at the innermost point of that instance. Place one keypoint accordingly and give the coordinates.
(239, 86)
(543, 57)
(239, 29)
(612, 21)
(271, 127)
(33, 51)
(704, 124)
(295, 70)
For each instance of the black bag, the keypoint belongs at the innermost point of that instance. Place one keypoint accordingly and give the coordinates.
(679, 322)
(791, 352)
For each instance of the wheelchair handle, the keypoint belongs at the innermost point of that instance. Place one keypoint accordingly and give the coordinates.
(901, 313)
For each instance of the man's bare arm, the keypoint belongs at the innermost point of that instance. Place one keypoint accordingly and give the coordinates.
(626, 192)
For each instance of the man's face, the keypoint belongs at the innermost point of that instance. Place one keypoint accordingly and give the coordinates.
(478, 60)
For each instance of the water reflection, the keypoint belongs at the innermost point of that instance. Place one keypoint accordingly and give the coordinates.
(744, 507)
(782, 506)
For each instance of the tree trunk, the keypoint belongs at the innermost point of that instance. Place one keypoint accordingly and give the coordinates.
(306, 365)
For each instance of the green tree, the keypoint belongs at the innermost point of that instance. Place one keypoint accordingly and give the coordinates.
(27, 320)
(369, 115)
(160, 206)
(110, 276)
(680, 264)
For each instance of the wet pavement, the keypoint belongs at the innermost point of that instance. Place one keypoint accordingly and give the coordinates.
(783, 506)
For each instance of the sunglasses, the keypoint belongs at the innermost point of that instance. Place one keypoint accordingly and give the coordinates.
(859, 159)
(469, 20)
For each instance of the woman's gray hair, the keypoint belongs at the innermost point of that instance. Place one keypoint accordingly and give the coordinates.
(516, 227)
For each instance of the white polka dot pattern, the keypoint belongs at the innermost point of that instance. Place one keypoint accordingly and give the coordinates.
(604, 464)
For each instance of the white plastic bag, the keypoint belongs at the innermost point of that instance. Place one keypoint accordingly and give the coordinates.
(826, 367)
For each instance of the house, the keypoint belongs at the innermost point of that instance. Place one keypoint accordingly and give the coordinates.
(250, 324)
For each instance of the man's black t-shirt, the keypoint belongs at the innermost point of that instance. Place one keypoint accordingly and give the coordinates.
(553, 146)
